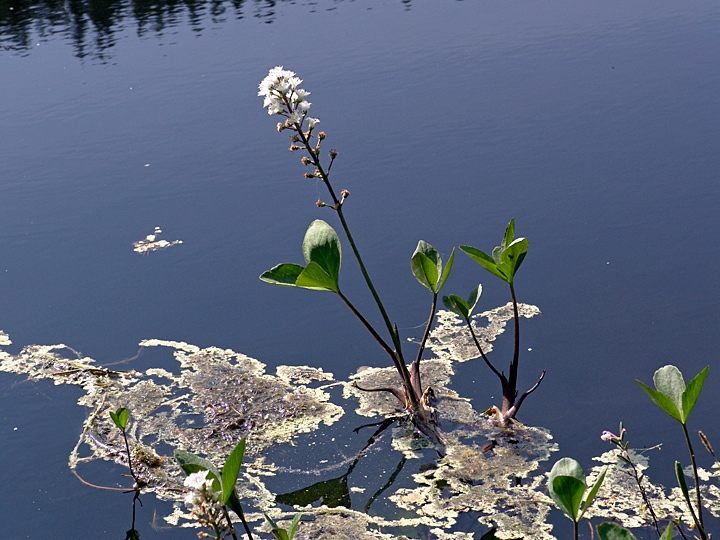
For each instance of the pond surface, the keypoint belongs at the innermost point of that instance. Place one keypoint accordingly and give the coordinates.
(594, 126)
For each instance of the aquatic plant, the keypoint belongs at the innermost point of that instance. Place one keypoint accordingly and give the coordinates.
(322, 251)
(283, 534)
(678, 400)
(504, 263)
(625, 456)
(120, 418)
(213, 491)
(567, 487)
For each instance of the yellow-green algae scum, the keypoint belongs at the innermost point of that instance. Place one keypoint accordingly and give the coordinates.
(217, 396)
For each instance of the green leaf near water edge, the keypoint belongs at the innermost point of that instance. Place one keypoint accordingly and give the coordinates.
(593, 491)
(231, 469)
(190, 463)
(446, 271)
(323, 255)
(321, 245)
(671, 394)
(566, 486)
(462, 307)
(506, 258)
(613, 531)
(692, 392)
(426, 265)
(120, 417)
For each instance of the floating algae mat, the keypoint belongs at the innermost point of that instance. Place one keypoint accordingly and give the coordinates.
(213, 397)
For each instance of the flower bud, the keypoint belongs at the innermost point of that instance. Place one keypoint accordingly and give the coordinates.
(321, 135)
(319, 203)
(308, 175)
(345, 193)
(305, 160)
(333, 154)
(280, 127)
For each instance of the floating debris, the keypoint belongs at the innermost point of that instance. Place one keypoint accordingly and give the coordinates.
(205, 400)
(451, 339)
(151, 243)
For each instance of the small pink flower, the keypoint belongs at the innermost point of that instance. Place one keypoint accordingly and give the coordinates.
(610, 436)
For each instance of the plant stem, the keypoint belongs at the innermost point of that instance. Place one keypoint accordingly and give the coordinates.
(695, 474)
(398, 359)
(479, 347)
(127, 447)
(512, 379)
(415, 366)
(575, 529)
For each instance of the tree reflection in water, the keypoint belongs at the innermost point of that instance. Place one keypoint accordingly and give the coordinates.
(94, 26)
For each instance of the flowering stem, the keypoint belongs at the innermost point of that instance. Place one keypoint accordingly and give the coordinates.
(397, 355)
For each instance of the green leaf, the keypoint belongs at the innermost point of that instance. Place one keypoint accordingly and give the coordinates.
(294, 525)
(120, 417)
(567, 493)
(680, 475)
(484, 260)
(566, 485)
(283, 274)
(457, 305)
(321, 245)
(593, 491)
(315, 278)
(473, 298)
(513, 256)
(446, 271)
(667, 535)
(426, 265)
(231, 469)
(233, 504)
(692, 393)
(683, 487)
(509, 235)
(662, 401)
(191, 463)
(669, 382)
(613, 531)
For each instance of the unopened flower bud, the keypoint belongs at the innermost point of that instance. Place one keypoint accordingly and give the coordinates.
(321, 135)
(308, 175)
(294, 138)
(305, 160)
(317, 173)
(333, 154)
(345, 193)
(319, 203)
(280, 127)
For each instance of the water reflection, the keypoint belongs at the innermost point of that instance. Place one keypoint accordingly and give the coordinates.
(95, 26)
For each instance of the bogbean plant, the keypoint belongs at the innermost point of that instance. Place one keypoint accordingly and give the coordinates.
(322, 253)
(566, 482)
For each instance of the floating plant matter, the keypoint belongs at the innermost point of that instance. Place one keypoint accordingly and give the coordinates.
(151, 242)
(206, 400)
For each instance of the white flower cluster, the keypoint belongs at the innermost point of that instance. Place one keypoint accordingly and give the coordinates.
(283, 96)
(202, 497)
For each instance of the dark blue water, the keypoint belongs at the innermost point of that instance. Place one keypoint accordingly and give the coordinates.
(595, 126)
